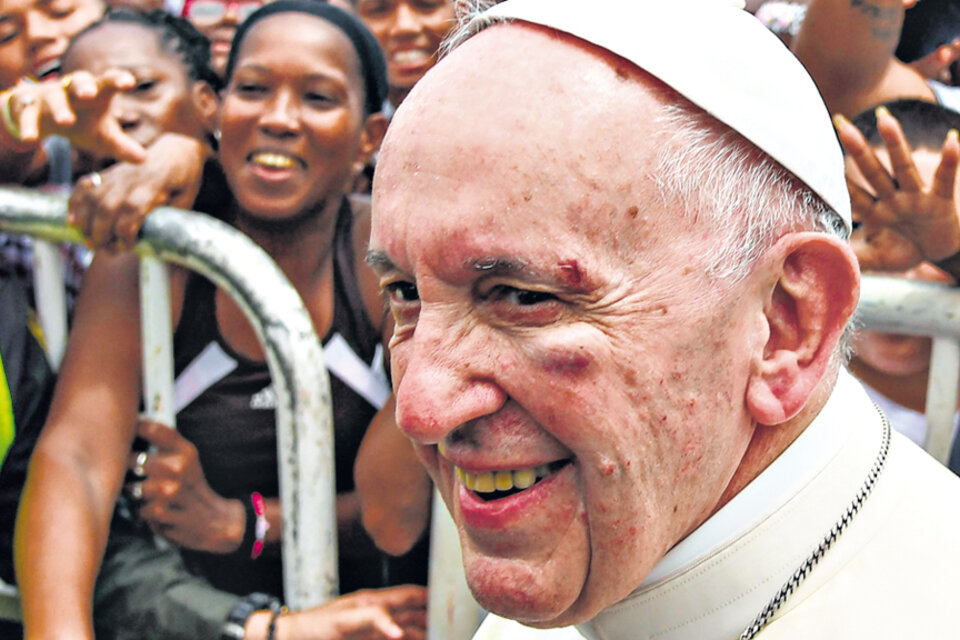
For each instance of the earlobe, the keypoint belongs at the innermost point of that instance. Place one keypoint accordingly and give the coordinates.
(810, 303)
(374, 129)
(207, 104)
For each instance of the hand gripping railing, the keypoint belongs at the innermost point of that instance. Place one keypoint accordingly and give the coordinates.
(304, 424)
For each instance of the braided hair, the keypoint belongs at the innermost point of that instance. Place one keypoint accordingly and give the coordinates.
(176, 35)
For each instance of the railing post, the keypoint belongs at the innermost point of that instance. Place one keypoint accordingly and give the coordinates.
(156, 340)
(452, 612)
(51, 299)
(942, 386)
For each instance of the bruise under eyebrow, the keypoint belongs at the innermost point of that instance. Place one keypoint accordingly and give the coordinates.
(379, 261)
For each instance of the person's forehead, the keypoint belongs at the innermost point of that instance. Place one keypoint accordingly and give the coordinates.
(561, 144)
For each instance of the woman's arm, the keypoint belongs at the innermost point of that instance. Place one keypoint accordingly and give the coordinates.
(393, 488)
(78, 466)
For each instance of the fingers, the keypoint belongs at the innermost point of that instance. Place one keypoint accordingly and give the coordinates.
(901, 155)
(160, 435)
(117, 144)
(863, 156)
(945, 178)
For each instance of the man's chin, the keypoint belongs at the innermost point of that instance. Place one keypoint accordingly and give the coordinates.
(534, 596)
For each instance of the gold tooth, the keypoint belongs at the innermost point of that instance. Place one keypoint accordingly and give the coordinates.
(524, 479)
(442, 449)
(460, 475)
(503, 480)
(470, 480)
(485, 483)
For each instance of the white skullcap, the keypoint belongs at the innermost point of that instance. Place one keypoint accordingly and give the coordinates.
(723, 60)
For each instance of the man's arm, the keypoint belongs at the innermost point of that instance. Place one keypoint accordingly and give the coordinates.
(848, 47)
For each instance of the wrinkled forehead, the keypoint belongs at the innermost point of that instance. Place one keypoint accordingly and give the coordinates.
(520, 130)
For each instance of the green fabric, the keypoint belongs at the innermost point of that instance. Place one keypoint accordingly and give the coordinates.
(7, 429)
(146, 593)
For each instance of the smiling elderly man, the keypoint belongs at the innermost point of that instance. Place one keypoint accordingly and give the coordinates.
(619, 335)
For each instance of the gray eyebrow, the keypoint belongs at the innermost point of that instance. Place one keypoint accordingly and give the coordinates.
(379, 261)
(498, 265)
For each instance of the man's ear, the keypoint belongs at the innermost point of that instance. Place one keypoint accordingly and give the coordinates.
(374, 129)
(816, 291)
(207, 104)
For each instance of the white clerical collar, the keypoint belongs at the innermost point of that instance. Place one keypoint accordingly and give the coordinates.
(719, 577)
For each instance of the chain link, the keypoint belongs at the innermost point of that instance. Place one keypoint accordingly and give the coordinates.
(800, 575)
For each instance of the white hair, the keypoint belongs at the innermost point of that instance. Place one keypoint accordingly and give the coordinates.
(721, 180)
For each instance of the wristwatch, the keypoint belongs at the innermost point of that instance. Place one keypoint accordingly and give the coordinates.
(235, 626)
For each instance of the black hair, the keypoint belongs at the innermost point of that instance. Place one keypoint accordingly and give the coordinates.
(176, 36)
(925, 124)
(373, 65)
(926, 26)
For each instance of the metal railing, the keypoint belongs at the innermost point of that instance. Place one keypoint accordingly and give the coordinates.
(922, 309)
(294, 357)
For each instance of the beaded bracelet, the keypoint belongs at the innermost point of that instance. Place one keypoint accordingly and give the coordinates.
(258, 523)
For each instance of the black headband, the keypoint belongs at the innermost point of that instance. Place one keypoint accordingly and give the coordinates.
(373, 65)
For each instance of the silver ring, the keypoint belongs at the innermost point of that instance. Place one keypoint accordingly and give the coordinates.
(136, 491)
(139, 464)
(96, 179)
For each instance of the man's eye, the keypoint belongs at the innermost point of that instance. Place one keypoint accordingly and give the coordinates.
(402, 291)
(145, 85)
(521, 297)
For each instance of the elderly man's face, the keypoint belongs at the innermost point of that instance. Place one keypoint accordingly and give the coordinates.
(553, 324)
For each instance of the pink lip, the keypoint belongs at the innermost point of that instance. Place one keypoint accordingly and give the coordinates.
(502, 513)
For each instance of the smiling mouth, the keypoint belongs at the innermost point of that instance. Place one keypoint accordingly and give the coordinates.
(274, 160)
(496, 485)
(410, 56)
(48, 70)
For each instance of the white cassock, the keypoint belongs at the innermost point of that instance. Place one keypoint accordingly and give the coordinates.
(891, 573)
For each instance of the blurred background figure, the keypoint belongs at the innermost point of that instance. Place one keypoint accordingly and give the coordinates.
(410, 33)
(930, 39)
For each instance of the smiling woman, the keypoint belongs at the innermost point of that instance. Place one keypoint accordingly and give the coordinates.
(299, 116)
(410, 32)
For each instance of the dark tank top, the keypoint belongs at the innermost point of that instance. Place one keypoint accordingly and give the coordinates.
(232, 423)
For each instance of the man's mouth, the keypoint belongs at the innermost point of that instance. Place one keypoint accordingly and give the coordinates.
(495, 485)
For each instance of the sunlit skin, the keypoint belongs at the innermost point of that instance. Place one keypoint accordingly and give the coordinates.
(307, 108)
(410, 32)
(549, 308)
(161, 99)
(35, 33)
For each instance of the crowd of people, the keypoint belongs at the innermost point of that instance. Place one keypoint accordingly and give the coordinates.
(559, 370)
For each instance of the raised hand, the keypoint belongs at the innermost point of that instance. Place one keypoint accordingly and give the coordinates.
(904, 219)
(76, 107)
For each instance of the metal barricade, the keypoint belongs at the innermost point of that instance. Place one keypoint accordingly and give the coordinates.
(923, 309)
(294, 357)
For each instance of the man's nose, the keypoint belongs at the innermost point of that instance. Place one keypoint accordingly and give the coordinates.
(447, 379)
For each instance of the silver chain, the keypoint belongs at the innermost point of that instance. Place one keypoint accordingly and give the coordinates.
(787, 589)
